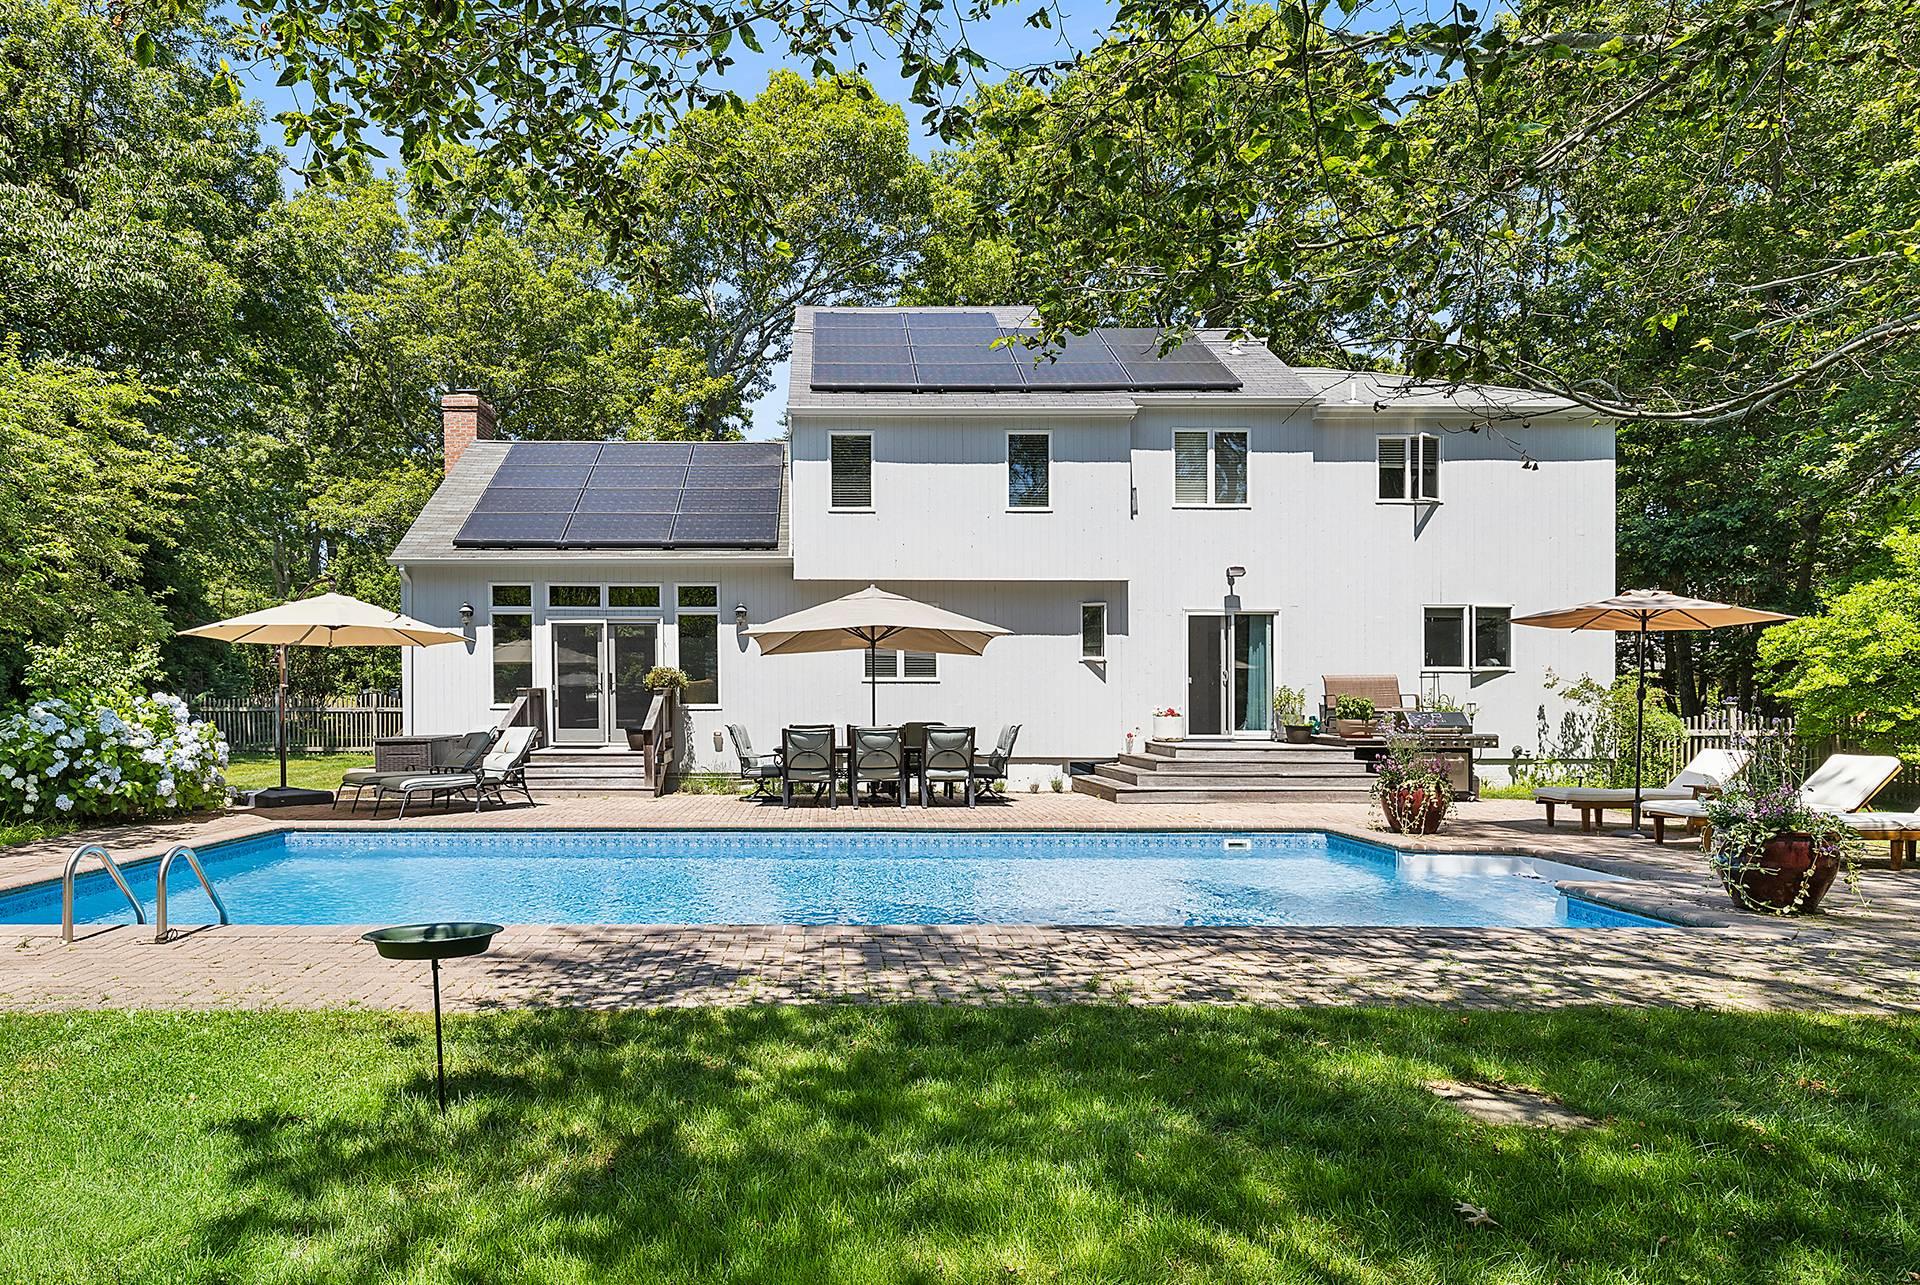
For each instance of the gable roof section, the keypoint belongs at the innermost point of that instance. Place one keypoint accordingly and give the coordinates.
(1370, 392)
(434, 535)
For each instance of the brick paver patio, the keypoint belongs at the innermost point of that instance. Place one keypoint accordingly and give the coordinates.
(1859, 957)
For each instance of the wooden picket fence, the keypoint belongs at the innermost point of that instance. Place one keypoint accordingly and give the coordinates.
(342, 728)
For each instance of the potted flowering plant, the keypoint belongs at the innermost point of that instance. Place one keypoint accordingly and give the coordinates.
(1353, 716)
(1412, 790)
(1169, 725)
(1289, 706)
(1773, 853)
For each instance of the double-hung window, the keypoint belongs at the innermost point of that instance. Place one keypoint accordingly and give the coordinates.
(1029, 471)
(698, 623)
(1467, 637)
(1409, 467)
(1209, 468)
(910, 666)
(851, 460)
(510, 614)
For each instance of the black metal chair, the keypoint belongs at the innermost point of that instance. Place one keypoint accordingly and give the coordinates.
(992, 768)
(762, 771)
(947, 760)
(806, 758)
(876, 755)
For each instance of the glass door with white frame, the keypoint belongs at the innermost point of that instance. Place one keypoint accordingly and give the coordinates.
(579, 686)
(633, 648)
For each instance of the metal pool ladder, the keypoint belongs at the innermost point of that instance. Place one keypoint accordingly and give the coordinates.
(160, 903)
(66, 887)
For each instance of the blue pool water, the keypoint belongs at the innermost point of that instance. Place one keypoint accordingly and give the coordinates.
(761, 877)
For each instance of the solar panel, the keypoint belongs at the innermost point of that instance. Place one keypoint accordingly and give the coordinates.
(1086, 372)
(720, 499)
(619, 529)
(632, 475)
(761, 476)
(726, 528)
(554, 452)
(514, 473)
(973, 374)
(652, 500)
(632, 498)
(527, 499)
(863, 374)
(541, 530)
(646, 452)
(936, 326)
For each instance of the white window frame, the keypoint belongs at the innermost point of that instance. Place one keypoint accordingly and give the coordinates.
(1213, 468)
(868, 507)
(1030, 508)
(659, 593)
(895, 666)
(1412, 447)
(1469, 614)
(532, 651)
(1084, 654)
(680, 613)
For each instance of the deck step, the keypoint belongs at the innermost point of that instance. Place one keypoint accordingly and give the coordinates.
(1190, 780)
(1114, 791)
(1223, 765)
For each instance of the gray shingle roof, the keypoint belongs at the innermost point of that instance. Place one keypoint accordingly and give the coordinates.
(1366, 391)
(1262, 376)
(430, 538)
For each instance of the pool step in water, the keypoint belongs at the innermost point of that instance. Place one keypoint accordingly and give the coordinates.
(1218, 770)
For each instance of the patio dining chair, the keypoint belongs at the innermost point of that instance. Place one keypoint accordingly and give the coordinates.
(991, 768)
(947, 760)
(762, 771)
(806, 758)
(876, 755)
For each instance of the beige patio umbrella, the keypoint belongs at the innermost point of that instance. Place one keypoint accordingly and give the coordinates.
(329, 620)
(1640, 612)
(863, 621)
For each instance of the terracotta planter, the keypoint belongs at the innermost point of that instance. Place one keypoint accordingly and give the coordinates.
(1786, 877)
(1169, 727)
(1413, 810)
(1354, 729)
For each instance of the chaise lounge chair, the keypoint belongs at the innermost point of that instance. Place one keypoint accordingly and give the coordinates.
(1843, 784)
(1900, 830)
(1382, 689)
(505, 766)
(1709, 769)
(461, 775)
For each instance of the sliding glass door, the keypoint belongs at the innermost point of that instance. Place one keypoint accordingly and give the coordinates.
(1230, 665)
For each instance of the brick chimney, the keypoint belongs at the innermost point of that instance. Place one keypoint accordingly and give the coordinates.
(466, 417)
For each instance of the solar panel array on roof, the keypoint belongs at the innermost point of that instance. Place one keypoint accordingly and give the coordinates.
(948, 352)
(653, 495)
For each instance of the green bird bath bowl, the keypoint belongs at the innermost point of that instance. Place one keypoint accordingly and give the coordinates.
(434, 942)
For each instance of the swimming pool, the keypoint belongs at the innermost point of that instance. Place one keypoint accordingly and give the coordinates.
(816, 877)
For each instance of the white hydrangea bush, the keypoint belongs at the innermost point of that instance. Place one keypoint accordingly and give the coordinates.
(59, 760)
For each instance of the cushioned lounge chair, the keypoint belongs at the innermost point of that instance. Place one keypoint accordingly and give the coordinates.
(505, 766)
(762, 771)
(1900, 830)
(1709, 769)
(947, 760)
(462, 774)
(1842, 784)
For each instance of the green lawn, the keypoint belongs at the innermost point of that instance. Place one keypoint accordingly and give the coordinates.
(313, 771)
(924, 1144)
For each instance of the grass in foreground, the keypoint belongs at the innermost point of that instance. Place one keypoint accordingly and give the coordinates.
(954, 1144)
(309, 771)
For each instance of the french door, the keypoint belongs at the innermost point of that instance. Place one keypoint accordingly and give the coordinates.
(599, 668)
(1230, 674)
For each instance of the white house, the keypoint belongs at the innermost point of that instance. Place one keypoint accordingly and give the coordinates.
(1184, 530)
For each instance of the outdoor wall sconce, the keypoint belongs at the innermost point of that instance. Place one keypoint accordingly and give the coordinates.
(466, 613)
(1232, 603)
(740, 615)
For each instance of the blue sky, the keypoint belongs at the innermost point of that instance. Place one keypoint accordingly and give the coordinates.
(1006, 40)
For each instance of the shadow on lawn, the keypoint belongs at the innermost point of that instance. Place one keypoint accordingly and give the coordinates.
(910, 1143)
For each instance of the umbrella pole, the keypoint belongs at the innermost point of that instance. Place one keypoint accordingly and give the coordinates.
(873, 687)
(280, 718)
(1639, 719)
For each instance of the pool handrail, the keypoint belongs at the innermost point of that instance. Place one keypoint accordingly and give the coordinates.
(80, 853)
(160, 903)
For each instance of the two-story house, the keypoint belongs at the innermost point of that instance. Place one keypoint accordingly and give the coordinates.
(1186, 529)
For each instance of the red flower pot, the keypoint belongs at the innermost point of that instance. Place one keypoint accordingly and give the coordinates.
(1788, 876)
(1413, 810)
